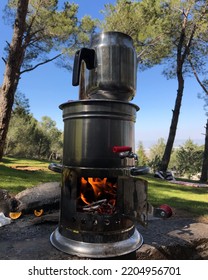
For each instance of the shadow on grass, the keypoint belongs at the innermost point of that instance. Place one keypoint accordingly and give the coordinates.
(193, 200)
(7, 160)
(15, 180)
(189, 189)
(163, 184)
(192, 207)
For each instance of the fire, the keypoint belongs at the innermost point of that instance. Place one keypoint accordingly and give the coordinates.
(98, 194)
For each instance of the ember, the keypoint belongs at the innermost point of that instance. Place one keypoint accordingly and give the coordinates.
(97, 195)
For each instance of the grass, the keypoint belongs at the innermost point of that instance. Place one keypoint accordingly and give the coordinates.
(193, 200)
(18, 174)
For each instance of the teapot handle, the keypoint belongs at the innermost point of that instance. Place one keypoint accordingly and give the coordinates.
(88, 55)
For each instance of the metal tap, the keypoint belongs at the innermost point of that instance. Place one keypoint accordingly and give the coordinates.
(129, 155)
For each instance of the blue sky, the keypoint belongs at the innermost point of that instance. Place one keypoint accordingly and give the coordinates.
(49, 86)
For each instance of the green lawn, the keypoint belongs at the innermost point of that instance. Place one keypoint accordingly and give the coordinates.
(191, 199)
(19, 174)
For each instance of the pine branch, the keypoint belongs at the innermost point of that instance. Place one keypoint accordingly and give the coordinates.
(4, 60)
(197, 77)
(147, 46)
(39, 64)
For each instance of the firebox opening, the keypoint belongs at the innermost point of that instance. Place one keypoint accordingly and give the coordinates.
(97, 195)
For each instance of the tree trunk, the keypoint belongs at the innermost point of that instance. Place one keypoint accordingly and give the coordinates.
(12, 71)
(182, 52)
(173, 127)
(204, 171)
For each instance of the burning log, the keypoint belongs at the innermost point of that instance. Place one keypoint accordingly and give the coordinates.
(102, 206)
(97, 189)
(95, 204)
(98, 195)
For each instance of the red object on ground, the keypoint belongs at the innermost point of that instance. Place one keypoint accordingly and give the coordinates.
(167, 210)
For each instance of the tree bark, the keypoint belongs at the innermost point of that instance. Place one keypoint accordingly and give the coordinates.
(204, 172)
(12, 71)
(176, 112)
(183, 48)
(173, 126)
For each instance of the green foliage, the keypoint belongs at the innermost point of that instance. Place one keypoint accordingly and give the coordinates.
(142, 158)
(186, 29)
(156, 27)
(154, 163)
(189, 159)
(54, 137)
(29, 138)
(21, 104)
(144, 22)
(155, 154)
(49, 28)
(185, 161)
(21, 136)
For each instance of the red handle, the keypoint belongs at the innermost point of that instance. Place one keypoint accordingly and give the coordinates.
(120, 149)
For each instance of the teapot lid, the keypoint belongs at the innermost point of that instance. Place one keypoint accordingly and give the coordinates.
(111, 37)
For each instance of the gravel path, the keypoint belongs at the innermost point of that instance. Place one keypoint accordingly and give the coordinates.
(179, 237)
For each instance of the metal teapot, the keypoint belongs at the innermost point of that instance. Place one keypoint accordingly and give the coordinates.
(108, 69)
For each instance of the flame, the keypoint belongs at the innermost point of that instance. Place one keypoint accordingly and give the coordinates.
(97, 184)
(95, 189)
(83, 199)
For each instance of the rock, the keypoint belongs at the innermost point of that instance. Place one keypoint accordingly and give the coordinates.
(202, 249)
(191, 231)
(182, 238)
(148, 252)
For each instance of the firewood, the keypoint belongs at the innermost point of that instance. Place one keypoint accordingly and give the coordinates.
(44, 196)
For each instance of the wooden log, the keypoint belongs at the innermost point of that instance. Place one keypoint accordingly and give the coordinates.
(4, 202)
(44, 196)
(133, 198)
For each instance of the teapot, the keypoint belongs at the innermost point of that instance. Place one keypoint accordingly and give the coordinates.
(107, 69)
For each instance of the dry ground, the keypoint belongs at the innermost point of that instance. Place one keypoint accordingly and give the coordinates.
(178, 237)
